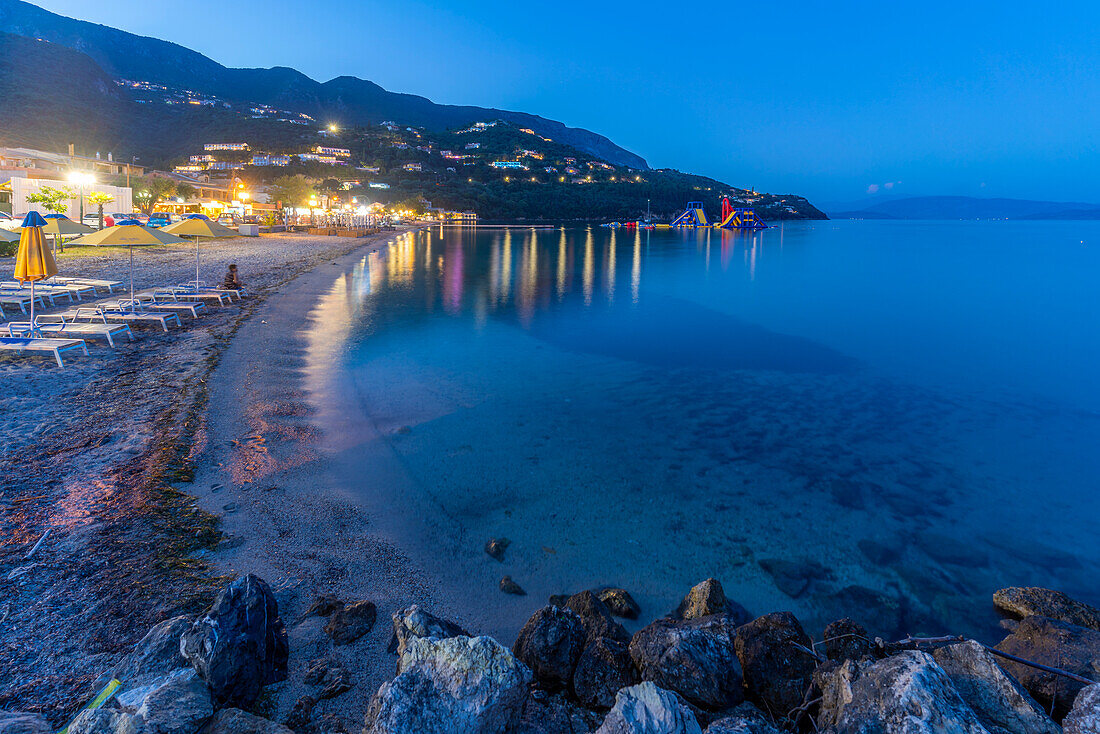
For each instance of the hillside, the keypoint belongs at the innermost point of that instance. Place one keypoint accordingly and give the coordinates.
(354, 101)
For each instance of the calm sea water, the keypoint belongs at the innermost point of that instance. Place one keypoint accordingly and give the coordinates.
(884, 419)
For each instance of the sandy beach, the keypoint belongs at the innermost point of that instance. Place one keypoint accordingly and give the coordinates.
(99, 455)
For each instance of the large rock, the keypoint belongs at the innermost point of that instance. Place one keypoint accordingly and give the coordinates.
(180, 705)
(157, 654)
(1057, 645)
(846, 640)
(649, 709)
(742, 722)
(459, 685)
(620, 602)
(240, 645)
(707, 598)
(103, 720)
(907, 693)
(1001, 704)
(235, 721)
(549, 644)
(1084, 717)
(604, 668)
(692, 657)
(351, 621)
(553, 713)
(1034, 601)
(19, 722)
(597, 618)
(777, 673)
(413, 622)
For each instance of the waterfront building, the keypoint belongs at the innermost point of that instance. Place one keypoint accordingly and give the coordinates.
(270, 160)
(337, 152)
(226, 146)
(508, 164)
(413, 167)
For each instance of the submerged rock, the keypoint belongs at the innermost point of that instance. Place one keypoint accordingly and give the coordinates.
(692, 657)
(777, 673)
(1084, 717)
(1057, 645)
(907, 692)
(235, 721)
(549, 644)
(495, 547)
(620, 603)
(351, 621)
(596, 617)
(413, 622)
(460, 685)
(649, 709)
(1001, 704)
(1033, 601)
(323, 606)
(794, 577)
(603, 669)
(20, 722)
(707, 598)
(240, 645)
(508, 586)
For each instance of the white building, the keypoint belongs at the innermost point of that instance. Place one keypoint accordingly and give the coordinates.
(23, 187)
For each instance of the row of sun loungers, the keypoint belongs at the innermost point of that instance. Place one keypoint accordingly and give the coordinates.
(107, 319)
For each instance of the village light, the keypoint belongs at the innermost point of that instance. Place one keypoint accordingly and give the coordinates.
(82, 180)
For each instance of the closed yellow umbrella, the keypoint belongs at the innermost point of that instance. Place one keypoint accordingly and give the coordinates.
(34, 261)
(199, 225)
(128, 233)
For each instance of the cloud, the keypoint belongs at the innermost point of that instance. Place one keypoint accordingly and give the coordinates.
(872, 189)
(889, 185)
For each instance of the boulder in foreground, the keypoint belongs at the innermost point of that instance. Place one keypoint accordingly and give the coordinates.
(707, 598)
(777, 672)
(1035, 601)
(549, 644)
(907, 692)
(1084, 717)
(692, 657)
(1057, 645)
(240, 645)
(649, 709)
(412, 622)
(464, 685)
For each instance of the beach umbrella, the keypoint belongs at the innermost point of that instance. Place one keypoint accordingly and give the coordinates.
(128, 233)
(198, 226)
(34, 261)
(58, 225)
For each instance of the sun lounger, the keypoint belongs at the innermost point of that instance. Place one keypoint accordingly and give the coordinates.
(32, 344)
(19, 300)
(183, 294)
(85, 330)
(110, 285)
(108, 315)
(146, 303)
(40, 293)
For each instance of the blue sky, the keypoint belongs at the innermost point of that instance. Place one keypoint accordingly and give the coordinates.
(828, 99)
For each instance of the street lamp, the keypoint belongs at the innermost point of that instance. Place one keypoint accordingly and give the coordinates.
(82, 180)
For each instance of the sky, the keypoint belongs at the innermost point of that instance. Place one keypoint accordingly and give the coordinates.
(837, 101)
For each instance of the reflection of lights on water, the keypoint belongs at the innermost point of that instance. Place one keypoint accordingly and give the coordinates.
(561, 265)
(610, 277)
(589, 267)
(506, 267)
(636, 267)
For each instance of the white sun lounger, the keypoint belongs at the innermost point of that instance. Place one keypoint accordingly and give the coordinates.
(40, 292)
(107, 315)
(21, 344)
(143, 303)
(184, 294)
(19, 300)
(110, 285)
(70, 329)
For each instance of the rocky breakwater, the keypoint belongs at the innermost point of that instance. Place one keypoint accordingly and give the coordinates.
(707, 667)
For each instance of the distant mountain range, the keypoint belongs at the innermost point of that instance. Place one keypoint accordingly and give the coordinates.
(967, 207)
(115, 54)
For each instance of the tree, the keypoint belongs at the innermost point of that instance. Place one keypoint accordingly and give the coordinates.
(150, 191)
(99, 198)
(51, 199)
(290, 191)
(186, 191)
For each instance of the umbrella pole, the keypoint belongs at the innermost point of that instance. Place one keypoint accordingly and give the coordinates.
(197, 262)
(32, 308)
(132, 278)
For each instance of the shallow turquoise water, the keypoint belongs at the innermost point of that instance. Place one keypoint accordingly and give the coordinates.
(890, 417)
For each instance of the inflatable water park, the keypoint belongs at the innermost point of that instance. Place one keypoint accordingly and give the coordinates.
(732, 217)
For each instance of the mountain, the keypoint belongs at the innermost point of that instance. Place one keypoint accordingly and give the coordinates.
(968, 207)
(122, 55)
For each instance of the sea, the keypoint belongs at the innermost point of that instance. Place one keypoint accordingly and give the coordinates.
(883, 420)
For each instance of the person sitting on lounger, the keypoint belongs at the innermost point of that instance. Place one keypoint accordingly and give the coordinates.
(232, 282)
